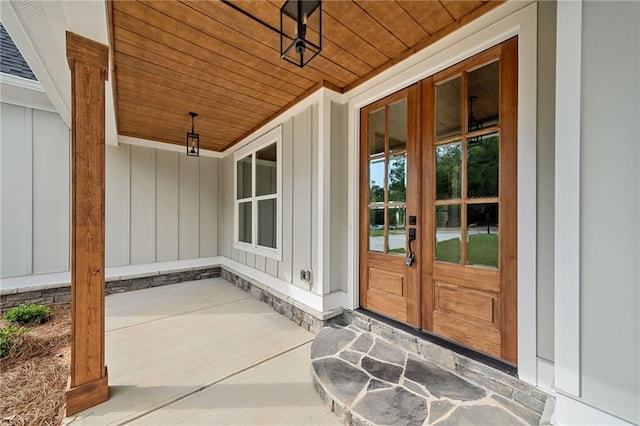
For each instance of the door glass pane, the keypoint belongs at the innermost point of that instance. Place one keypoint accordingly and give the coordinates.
(398, 178)
(483, 96)
(244, 178)
(376, 229)
(448, 121)
(483, 157)
(267, 170)
(482, 234)
(398, 126)
(267, 227)
(244, 222)
(448, 221)
(448, 174)
(376, 132)
(376, 181)
(397, 230)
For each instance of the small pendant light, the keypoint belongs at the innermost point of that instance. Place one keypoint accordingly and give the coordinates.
(193, 139)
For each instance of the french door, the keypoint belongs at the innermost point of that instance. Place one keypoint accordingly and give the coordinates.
(438, 214)
(390, 196)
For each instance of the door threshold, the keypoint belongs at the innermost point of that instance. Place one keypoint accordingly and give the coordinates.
(457, 348)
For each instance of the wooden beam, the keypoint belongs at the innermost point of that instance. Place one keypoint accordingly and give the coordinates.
(88, 384)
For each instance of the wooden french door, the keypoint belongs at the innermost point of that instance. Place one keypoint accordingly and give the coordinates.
(461, 204)
(390, 196)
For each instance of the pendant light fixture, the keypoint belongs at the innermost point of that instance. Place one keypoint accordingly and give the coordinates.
(300, 31)
(193, 139)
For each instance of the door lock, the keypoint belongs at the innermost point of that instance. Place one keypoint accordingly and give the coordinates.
(409, 260)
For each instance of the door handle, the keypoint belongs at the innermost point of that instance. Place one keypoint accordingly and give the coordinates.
(411, 257)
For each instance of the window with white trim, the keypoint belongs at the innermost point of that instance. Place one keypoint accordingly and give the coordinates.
(258, 183)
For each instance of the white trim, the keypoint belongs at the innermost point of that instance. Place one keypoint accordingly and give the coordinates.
(569, 411)
(567, 198)
(21, 82)
(146, 143)
(510, 19)
(325, 121)
(28, 133)
(260, 142)
(24, 92)
(314, 98)
(546, 372)
(488, 30)
(323, 197)
(527, 194)
(273, 136)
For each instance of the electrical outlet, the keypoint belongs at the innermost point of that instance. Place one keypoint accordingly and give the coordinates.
(305, 275)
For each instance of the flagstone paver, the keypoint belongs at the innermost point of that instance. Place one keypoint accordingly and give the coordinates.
(363, 343)
(374, 382)
(395, 406)
(437, 409)
(382, 370)
(389, 353)
(332, 340)
(351, 356)
(342, 379)
(441, 383)
(480, 415)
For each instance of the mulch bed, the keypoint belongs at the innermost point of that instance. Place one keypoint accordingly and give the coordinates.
(33, 379)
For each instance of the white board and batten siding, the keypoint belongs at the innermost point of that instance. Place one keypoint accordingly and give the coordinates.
(172, 206)
(610, 209)
(34, 173)
(160, 205)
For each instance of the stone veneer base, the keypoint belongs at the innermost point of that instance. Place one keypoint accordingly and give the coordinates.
(302, 315)
(62, 293)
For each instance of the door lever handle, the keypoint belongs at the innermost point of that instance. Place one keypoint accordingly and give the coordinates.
(411, 257)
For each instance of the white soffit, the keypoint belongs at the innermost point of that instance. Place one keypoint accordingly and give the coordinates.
(146, 143)
(38, 28)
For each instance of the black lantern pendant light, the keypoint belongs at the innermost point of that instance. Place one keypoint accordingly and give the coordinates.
(300, 31)
(193, 139)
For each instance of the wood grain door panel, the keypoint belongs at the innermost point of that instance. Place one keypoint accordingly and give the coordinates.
(473, 305)
(475, 335)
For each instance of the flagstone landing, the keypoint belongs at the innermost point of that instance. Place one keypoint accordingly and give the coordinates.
(368, 381)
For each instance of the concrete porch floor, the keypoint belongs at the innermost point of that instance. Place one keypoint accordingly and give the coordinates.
(204, 352)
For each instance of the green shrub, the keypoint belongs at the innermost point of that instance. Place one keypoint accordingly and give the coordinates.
(28, 314)
(8, 335)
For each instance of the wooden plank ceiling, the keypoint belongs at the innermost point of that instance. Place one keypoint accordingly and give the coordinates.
(172, 57)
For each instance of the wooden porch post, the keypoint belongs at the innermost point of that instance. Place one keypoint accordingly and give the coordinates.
(88, 61)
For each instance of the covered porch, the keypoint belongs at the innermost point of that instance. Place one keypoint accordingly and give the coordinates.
(204, 352)
(207, 352)
(282, 194)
